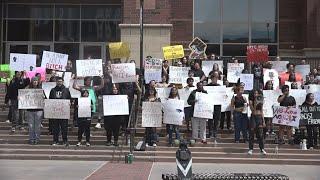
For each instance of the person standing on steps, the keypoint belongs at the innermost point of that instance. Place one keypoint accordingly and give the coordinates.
(312, 132)
(268, 120)
(84, 123)
(188, 110)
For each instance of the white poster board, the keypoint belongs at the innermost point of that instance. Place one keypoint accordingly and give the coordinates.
(270, 99)
(55, 61)
(125, 72)
(203, 108)
(163, 93)
(247, 79)
(216, 93)
(286, 116)
(84, 107)
(115, 105)
(279, 66)
(151, 114)
(289, 84)
(152, 70)
(73, 92)
(30, 99)
(89, 67)
(173, 111)
(234, 71)
(177, 75)
(66, 79)
(304, 70)
(226, 105)
(299, 95)
(273, 75)
(23, 62)
(57, 108)
(184, 94)
(47, 86)
(207, 66)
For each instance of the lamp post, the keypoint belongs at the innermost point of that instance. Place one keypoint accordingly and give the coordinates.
(141, 36)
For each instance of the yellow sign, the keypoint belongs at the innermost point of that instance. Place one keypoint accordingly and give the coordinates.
(173, 52)
(119, 50)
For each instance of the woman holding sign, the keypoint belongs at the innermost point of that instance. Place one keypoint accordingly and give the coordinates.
(311, 128)
(84, 123)
(172, 128)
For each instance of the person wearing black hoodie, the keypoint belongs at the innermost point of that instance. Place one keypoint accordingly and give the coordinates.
(60, 92)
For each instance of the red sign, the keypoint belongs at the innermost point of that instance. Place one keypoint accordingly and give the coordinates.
(257, 53)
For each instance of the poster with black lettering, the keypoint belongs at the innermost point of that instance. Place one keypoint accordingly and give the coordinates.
(55, 61)
(89, 67)
(310, 115)
(287, 116)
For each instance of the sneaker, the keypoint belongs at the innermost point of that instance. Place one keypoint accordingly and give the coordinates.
(22, 129)
(78, 144)
(8, 121)
(108, 143)
(88, 144)
(13, 129)
(250, 152)
(267, 133)
(310, 148)
(204, 142)
(154, 145)
(54, 144)
(147, 145)
(273, 133)
(41, 125)
(98, 126)
(263, 152)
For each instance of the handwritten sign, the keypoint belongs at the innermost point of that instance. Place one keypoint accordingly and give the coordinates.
(310, 115)
(53, 60)
(119, 50)
(271, 75)
(226, 105)
(89, 67)
(304, 70)
(207, 66)
(5, 72)
(23, 62)
(151, 114)
(299, 95)
(73, 92)
(216, 94)
(184, 94)
(163, 93)
(40, 70)
(84, 107)
(177, 75)
(173, 52)
(270, 99)
(286, 116)
(203, 107)
(30, 99)
(234, 71)
(279, 66)
(257, 53)
(125, 72)
(247, 79)
(290, 83)
(198, 49)
(47, 86)
(57, 108)
(115, 105)
(173, 111)
(67, 77)
(152, 70)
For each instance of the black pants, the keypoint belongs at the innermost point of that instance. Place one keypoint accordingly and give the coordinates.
(214, 123)
(225, 115)
(84, 127)
(151, 135)
(255, 128)
(312, 131)
(112, 127)
(57, 125)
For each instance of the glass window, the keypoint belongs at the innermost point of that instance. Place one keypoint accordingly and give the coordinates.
(30, 11)
(15, 33)
(72, 49)
(234, 50)
(209, 32)
(100, 31)
(101, 12)
(94, 52)
(264, 10)
(67, 12)
(213, 49)
(264, 33)
(67, 31)
(235, 33)
(207, 10)
(235, 10)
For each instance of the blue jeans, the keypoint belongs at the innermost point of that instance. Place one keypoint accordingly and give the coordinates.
(34, 121)
(172, 129)
(240, 124)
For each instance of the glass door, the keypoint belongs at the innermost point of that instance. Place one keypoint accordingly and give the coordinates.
(92, 51)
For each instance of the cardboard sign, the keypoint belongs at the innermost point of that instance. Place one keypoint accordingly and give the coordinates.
(55, 61)
(304, 70)
(173, 52)
(119, 50)
(247, 79)
(286, 116)
(207, 66)
(226, 105)
(173, 111)
(151, 114)
(89, 67)
(216, 93)
(30, 99)
(184, 94)
(289, 84)
(47, 86)
(115, 105)
(234, 71)
(5, 72)
(177, 75)
(152, 70)
(310, 115)
(198, 49)
(23, 62)
(203, 108)
(299, 95)
(270, 99)
(57, 108)
(163, 93)
(279, 66)
(84, 107)
(273, 75)
(40, 70)
(257, 53)
(125, 72)
(73, 92)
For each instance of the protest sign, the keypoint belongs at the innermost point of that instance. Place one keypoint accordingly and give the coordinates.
(173, 52)
(75, 93)
(119, 50)
(257, 53)
(310, 115)
(84, 107)
(152, 70)
(226, 103)
(184, 94)
(115, 105)
(173, 111)
(125, 72)
(30, 99)
(151, 114)
(6, 72)
(246, 109)
(23, 62)
(40, 70)
(234, 71)
(247, 79)
(203, 108)
(304, 70)
(177, 75)
(163, 93)
(289, 84)
(279, 66)
(207, 66)
(198, 49)
(55, 61)
(287, 116)
(67, 76)
(271, 75)
(299, 95)
(216, 93)
(89, 67)
(57, 108)
(47, 86)
(270, 99)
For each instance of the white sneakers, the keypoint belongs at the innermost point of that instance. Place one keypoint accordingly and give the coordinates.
(98, 126)
(250, 152)
(263, 152)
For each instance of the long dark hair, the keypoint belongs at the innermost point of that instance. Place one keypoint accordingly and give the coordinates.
(171, 93)
(147, 94)
(308, 97)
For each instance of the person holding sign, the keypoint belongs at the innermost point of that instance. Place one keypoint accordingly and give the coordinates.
(188, 110)
(268, 120)
(287, 101)
(198, 72)
(290, 71)
(311, 128)
(84, 123)
(215, 68)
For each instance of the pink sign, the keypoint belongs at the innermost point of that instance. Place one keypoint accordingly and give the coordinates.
(40, 70)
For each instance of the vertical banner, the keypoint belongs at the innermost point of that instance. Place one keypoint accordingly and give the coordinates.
(151, 114)
(57, 108)
(173, 52)
(125, 72)
(184, 94)
(304, 70)
(115, 105)
(226, 105)
(234, 71)
(216, 93)
(198, 49)
(286, 116)
(271, 75)
(55, 61)
(203, 107)
(299, 95)
(163, 93)
(30, 99)
(207, 66)
(152, 70)
(119, 50)
(270, 99)
(280, 66)
(173, 111)
(47, 86)
(177, 75)
(84, 107)
(23, 62)
(257, 53)
(89, 67)
(247, 79)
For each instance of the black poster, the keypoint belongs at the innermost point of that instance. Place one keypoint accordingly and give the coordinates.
(310, 115)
